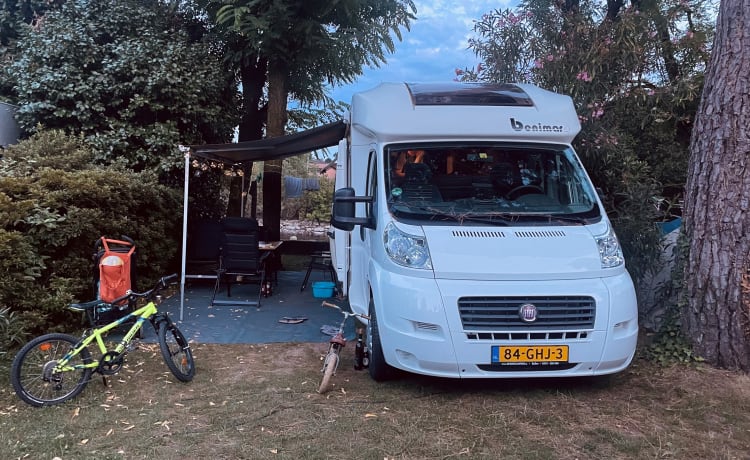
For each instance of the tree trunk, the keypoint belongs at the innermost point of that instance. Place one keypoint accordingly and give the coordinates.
(717, 279)
(277, 116)
(661, 24)
(253, 76)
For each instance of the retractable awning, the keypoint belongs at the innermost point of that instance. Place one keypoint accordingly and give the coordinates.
(263, 149)
(273, 148)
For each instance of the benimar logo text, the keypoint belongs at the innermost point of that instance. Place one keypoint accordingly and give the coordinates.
(537, 128)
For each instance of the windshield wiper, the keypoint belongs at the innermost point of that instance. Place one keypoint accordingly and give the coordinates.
(560, 218)
(436, 214)
(493, 219)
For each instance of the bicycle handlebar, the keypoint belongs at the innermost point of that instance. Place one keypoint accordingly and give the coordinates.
(161, 284)
(346, 313)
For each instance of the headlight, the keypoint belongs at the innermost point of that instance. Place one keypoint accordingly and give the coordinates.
(407, 250)
(610, 251)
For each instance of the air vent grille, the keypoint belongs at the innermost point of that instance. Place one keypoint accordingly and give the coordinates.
(478, 234)
(541, 234)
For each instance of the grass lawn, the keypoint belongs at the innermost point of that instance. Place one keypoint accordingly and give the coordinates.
(259, 402)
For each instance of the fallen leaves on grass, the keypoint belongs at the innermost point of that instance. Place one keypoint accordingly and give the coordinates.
(164, 424)
(9, 409)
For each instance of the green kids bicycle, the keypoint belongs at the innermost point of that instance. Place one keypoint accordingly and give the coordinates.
(54, 368)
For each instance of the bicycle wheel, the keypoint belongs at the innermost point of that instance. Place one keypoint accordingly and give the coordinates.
(176, 352)
(32, 373)
(329, 368)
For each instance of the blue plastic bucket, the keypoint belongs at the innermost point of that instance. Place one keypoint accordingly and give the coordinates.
(323, 289)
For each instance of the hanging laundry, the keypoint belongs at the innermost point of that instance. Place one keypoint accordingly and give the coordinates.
(311, 183)
(293, 186)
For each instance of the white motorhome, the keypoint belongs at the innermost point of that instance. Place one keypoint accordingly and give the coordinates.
(467, 228)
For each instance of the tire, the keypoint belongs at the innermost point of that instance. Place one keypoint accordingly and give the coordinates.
(176, 352)
(28, 377)
(329, 369)
(602, 382)
(379, 369)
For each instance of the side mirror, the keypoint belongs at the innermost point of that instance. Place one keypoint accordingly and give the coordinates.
(344, 210)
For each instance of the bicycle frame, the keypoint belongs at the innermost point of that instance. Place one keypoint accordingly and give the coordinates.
(56, 367)
(336, 344)
(147, 312)
(339, 338)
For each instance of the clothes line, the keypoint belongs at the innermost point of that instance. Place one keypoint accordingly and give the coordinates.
(294, 186)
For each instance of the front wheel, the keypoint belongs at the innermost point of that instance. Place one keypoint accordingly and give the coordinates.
(329, 368)
(176, 352)
(379, 369)
(33, 373)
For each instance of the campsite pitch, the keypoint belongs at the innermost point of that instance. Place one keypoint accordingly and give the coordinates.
(260, 402)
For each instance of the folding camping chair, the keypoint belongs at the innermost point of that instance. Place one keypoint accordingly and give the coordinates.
(203, 241)
(240, 259)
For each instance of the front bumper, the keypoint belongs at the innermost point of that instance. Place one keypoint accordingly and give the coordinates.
(422, 331)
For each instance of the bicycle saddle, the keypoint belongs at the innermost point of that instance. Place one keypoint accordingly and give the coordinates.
(83, 306)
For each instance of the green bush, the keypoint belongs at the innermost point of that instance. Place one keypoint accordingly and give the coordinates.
(317, 205)
(627, 189)
(12, 332)
(54, 205)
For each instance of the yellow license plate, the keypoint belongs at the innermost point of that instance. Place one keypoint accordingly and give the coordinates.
(530, 354)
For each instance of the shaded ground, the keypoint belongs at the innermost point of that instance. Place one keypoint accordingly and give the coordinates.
(248, 324)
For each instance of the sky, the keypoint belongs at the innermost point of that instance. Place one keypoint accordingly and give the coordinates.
(431, 51)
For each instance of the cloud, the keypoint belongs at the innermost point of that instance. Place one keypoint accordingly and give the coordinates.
(433, 49)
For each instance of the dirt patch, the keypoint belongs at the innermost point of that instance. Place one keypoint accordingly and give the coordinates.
(262, 360)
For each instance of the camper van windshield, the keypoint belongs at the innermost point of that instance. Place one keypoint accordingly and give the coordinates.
(501, 184)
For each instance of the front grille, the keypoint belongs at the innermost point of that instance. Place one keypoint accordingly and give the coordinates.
(502, 313)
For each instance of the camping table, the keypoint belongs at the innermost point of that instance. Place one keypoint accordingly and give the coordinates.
(270, 247)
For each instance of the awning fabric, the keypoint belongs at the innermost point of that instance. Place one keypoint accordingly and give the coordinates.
(275, 147)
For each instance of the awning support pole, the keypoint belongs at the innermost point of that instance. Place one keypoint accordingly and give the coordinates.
(184, 227)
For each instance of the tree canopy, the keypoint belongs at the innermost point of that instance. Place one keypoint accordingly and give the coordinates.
(318, 41)
(130, 75)
(295, 47)
(635, 74)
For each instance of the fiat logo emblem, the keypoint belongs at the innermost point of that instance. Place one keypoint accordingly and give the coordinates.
(527, 313)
